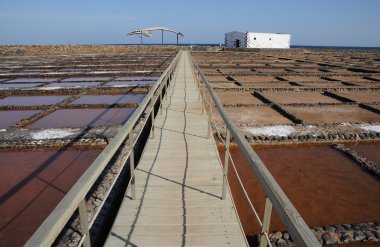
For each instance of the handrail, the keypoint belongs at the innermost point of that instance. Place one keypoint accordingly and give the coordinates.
(294, 223)
(55, 222)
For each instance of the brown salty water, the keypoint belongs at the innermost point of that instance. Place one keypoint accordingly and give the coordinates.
(325, 186)
(74, 84)
(87, 79)
(32, 80)
(76, 118)
(8, 118)
(369, 150)
(19, 85)
(130, 83)
(32, 184)
(109, 99)
(31, 100)
(146, 78)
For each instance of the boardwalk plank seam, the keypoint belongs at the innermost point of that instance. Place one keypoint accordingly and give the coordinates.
(178, 180)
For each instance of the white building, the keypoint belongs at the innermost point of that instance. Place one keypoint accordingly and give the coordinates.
(257, 40)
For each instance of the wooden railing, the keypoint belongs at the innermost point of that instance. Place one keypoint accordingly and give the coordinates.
(76, 197)
(275, 197)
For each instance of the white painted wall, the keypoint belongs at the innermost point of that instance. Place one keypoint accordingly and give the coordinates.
(268, 40)
(231, 37)
(257, 40)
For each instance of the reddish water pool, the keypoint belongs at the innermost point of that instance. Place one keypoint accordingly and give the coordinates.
(369, 150)
(32, 184)
(74, 84)
(136, 78)
(109, 99)
(32, 80)
(31, 100)
(325, 186)
(19, 85)
(130, 83)
(8, 118)
(86, 79)
(75, 118)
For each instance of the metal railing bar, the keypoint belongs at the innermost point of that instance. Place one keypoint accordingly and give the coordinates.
(81, 240)
(244, 191)
(212, 118)
(216, 127)
(55, 222)
(226, 161)
(225, 168)
(296, 226)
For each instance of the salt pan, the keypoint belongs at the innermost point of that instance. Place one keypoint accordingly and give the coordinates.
(276, 130)
(375, 128)
(50, 134)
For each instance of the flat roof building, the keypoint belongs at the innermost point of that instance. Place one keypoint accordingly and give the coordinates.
(257, 40)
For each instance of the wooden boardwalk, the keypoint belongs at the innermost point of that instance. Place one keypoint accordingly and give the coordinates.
(178, 180)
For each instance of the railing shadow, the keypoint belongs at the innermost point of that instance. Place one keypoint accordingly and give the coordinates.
(130, 233)
(35, 174)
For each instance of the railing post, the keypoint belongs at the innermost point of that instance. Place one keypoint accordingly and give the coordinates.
(203, 98)
(226, 160)
(152, 117)
(83, 219)
(132, 164)
(208, 120)
(209, 116)
(266, 222)
(161, 103)
(166, 90)
(199, 86)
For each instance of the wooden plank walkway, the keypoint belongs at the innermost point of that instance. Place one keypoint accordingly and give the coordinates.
(178, 180)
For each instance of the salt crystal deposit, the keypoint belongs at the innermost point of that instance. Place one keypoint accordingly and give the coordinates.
(276, 130)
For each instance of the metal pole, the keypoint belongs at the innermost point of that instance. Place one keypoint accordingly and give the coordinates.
(83, 218)
(162, 37)
(177, 39)
(132, 165)
(226, 160)
(266, 221)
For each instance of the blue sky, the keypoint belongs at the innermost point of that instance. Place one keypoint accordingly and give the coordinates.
(318, 22)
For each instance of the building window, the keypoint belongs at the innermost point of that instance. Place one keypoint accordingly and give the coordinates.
(254, 38)
(270, 38)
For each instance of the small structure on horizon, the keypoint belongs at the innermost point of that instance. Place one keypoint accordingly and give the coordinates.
(257, 40)
(147, 32)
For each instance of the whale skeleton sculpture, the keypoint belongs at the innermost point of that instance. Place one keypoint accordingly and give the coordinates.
(147, 32)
